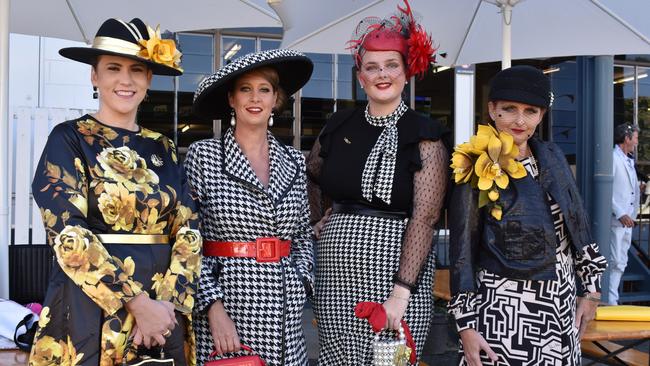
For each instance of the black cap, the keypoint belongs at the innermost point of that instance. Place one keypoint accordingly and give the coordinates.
(523, 84)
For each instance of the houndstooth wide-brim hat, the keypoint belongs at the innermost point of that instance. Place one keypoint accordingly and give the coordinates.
(211, 97)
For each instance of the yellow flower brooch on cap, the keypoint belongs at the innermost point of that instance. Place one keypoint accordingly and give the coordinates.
(486, 162)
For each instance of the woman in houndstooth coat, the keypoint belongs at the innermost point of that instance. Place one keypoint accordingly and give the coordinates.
(252, 192)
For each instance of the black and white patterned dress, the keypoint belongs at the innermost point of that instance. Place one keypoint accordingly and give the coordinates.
(397, 163)
(529, 322)
(264, 300)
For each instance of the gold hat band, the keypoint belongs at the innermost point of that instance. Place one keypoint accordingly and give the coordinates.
(133, 238)
(116, 45)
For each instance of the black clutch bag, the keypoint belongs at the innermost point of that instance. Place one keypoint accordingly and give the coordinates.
(145, 359)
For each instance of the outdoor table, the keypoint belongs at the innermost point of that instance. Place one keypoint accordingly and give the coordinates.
(599, 331)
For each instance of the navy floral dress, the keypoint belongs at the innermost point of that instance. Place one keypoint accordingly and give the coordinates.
(92, 180)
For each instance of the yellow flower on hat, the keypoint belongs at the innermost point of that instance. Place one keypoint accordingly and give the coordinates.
(487, 162)
(161, 51)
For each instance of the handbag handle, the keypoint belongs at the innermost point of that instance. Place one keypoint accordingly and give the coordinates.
(243, 347)
(130, 346)
(401, 335)
(376, 316)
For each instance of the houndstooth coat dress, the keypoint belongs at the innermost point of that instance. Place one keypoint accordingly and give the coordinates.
(264, 300)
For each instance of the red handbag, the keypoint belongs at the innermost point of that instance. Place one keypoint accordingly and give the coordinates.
(250, 360)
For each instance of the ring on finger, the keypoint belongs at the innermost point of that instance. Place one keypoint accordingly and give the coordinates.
(167, 333)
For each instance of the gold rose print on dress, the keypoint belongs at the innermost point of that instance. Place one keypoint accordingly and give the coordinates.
(48, 351)
(85, 260)
(186, 262)
(112, 184)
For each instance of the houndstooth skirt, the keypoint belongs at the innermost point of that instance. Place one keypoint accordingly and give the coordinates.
(356, 259)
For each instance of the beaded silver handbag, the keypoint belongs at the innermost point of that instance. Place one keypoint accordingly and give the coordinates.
(392, 352)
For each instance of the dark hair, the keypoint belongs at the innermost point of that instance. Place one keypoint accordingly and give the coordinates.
(624, 130)
(270, 75)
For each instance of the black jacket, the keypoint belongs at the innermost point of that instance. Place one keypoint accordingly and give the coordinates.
(522, 244)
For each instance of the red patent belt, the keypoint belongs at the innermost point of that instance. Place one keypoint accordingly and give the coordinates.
(262, 249)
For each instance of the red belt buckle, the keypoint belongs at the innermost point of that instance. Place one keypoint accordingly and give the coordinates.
(267, 250)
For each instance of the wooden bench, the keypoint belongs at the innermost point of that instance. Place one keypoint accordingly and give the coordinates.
(597, 342)
(600, 349)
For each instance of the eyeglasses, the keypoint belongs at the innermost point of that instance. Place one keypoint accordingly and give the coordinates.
(392, 70)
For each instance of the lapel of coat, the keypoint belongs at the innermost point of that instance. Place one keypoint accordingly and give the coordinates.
(236, 166)
(628, 168)
(283, 170)
(546, 162)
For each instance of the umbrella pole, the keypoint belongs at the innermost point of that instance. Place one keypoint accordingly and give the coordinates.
(4, 146)
(506, 41)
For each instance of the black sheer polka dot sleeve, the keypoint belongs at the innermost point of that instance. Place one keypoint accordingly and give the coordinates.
(430, 184)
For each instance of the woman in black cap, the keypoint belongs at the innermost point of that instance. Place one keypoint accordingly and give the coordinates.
(119, 216)
(257, 261)
(519, 235)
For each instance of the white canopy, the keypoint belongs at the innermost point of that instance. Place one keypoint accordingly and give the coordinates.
(470, 31)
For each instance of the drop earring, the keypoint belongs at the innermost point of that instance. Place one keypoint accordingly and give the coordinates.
(271, 120)
(95, 93)
(232, 118)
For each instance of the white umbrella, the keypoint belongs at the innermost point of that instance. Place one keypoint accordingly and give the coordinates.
(475, 31)
(79, 20)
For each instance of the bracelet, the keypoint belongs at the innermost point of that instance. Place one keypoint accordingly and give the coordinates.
(591, 297)
(397, 280)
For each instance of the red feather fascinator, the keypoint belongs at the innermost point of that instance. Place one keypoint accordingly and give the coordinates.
(399, 32)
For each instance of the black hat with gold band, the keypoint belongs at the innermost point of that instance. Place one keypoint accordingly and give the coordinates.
(134, 40)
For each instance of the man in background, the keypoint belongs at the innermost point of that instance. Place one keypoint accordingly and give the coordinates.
(625, 204)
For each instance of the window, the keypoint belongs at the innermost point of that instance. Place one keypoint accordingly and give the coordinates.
(233, 47)
(157, 111)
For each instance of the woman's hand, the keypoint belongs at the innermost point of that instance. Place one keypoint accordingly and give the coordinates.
(138, 338)
(585, 312)
(224, 332)
(395, 306)
(153, 320)
(320, 224)
(473, 344)
(170, 309)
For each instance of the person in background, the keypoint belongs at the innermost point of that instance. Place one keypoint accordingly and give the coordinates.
(625, 204)
(119, 215)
